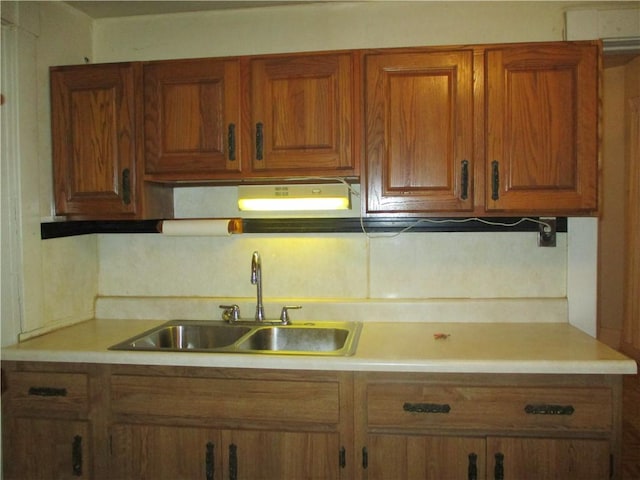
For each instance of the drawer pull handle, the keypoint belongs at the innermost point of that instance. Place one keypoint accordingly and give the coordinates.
(426, 407)
(465, 180)
(259, 140)
(76, 456)
(208, 462)
(498, 471)
(233, 462)
(126, 186)
(472, 472)
(365, 458)
(231, 141)
(48, 392)
(549, 409)
(342, 458)
(495, 180)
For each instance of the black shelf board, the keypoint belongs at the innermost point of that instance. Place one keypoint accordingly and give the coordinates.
(86, 227)
(310, 225)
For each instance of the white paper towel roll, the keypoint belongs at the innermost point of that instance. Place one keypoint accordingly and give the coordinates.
(201, 227)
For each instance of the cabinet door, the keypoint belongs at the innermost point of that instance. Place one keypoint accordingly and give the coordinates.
(93, 125)
(39, 448)
(254, 455)
(163, 452)
(419, 132)
(303, 115)
(192, 118)
(423, 457)
(534, 458)
(542, 138)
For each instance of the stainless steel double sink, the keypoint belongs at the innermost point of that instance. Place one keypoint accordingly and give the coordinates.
(305, 338)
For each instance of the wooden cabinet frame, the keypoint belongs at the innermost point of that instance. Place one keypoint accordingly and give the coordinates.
(153, 407)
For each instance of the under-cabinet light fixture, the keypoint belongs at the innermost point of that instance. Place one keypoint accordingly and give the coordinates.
(294, 197)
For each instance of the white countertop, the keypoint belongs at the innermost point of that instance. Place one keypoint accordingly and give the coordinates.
(399, 347)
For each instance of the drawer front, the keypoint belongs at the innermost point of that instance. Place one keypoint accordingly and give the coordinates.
(222, 400)
(416, 406)
(49, 392)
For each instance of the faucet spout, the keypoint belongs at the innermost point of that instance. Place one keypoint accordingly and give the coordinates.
(256, 279)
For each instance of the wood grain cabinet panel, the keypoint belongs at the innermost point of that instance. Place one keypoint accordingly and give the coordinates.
(303, 114)
(48, 422)
(542, 127)
(158, 452)
(192, 119)
(198, 423)
(419, 131)
(524, 427)
(420, 457)
(535, 458)
(94, 129)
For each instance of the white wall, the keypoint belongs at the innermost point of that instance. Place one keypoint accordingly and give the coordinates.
(327, 26)
(49, 286)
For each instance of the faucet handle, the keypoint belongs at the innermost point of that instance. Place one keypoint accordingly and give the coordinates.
(230, 313)
(284, 316)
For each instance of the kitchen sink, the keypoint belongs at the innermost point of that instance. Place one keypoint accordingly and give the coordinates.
(181, 335)
(308, 338)
(293, 339)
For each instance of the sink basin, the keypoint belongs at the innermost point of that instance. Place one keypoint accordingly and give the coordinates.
(309, 338)
(179, 335)
(293, 339)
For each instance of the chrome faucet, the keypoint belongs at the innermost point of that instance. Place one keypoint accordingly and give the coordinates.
(256, 279)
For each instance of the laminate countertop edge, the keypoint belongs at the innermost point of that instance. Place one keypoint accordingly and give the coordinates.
(509, 348)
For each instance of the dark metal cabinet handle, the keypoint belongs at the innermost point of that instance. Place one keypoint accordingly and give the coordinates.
(498, 471)
(76, 456)
(209, 462)
(126, 186)
(472, 472)
(47, 392)
(342, 457)
(464, 178)
(495, 180)
(426, 407)
(233, 462)
(259, 140)
(231, 140)
(365, 458)
(544, 409)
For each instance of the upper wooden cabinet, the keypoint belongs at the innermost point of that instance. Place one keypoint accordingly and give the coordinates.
(192, 118)
(419, 131)
(464, 131)
(542, 128)
(288, 116)
(93, 123)
(303, 115)
(96, 115)
(510, 129)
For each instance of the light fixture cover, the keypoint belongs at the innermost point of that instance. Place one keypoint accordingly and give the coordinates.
(294, 197)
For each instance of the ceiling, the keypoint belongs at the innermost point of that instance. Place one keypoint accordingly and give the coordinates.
(106, 9)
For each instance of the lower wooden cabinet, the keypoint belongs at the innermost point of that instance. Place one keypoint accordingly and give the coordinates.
(43, 448)
(468, 457)
(48, 429)
(150, 422)
(169, 423)
(430, 426)
(171, 452)
(422, 457)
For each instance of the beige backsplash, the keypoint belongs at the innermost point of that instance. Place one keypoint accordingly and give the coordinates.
(411, 277)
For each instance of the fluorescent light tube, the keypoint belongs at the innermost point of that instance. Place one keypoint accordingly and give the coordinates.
(294, 197)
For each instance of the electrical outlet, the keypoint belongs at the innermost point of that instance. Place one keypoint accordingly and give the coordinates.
(547, 232)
